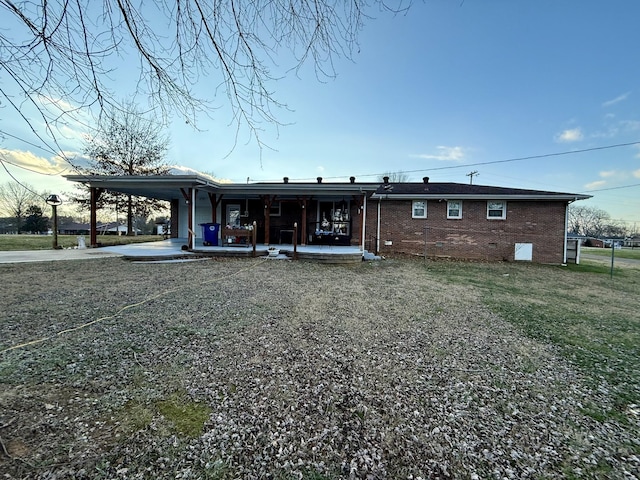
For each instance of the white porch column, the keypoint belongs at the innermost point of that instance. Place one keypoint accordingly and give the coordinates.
(194, 194)
(364, 223)
(378, 229)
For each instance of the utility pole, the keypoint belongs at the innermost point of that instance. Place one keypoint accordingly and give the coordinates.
(471, 175)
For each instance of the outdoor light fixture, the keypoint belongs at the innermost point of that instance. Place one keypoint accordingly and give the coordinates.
(54, 201)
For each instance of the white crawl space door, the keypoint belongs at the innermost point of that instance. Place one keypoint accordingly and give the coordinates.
(524, 252)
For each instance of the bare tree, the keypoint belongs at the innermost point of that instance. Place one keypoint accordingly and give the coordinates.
(15, 200)
(61, 57)
(395, 177)
(127, 143)
(593, 222)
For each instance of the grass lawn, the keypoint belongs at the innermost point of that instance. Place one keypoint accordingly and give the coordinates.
(625, 252)
(225, 369)
(45, 242)
(593, 320)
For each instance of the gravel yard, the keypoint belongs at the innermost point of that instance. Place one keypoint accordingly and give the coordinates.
(243, 369)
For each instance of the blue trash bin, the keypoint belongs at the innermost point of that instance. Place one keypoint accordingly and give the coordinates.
(210, 234)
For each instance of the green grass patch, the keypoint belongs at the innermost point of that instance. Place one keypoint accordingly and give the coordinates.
(625, 252)
(174, 414)
(45, 242)
(592, 319)
(186, 416)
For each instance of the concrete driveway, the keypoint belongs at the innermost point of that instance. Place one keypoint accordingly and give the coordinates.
(52, 255)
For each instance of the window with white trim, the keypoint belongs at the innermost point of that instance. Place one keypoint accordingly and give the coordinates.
(454, 209)
(419, 209)
(496, 210)
(275, 209)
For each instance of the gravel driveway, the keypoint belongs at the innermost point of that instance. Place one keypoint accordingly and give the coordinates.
(380, 370)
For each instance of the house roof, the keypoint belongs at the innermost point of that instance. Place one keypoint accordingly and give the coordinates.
(167, 187)
(461, 191)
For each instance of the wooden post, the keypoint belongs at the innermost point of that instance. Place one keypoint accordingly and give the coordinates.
(253, 238)
(175, 217)
(187, 198)
(359, 205)
(215, 201)
(303, 232)
(295, 240)
(268, 201)
(93, 227)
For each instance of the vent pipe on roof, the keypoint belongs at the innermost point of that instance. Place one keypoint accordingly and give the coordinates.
(385, 180)
(352, 179)
(425, 179)
(319, 179)
(286, 179)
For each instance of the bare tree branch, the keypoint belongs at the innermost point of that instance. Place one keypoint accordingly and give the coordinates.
(67, 51)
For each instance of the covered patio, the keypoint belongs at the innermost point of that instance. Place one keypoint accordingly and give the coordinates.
(318, 220)
(173, 249)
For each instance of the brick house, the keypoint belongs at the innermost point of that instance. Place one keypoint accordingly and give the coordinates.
(433, 219)
(471, 221)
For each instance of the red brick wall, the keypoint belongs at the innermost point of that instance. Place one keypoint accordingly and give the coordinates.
(474, 236)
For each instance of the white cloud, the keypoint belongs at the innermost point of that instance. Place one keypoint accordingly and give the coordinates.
(618, 99)
(608, 174)
(596, 184)
(630, 125)
(55, 165)
(448, 154)
(571, 135)
(637, 173)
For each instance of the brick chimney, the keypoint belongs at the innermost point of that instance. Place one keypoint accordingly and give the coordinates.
(319, 179)
(352, 179)
(425, 179)
(286, 179)
(385, 180)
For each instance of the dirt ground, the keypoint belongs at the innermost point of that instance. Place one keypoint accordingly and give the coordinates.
(286, 370)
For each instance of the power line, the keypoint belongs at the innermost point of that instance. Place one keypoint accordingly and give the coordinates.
(19, 182)
(613, 188)
(46, 148)
(493, 162)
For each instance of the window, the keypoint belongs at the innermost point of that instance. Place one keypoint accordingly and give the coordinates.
(419, 209)
(275, 209)
(496, 210)
(454, 209)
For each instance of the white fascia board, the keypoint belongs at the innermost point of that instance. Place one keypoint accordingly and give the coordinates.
(154, 179)
(563, 197)
(295, 189)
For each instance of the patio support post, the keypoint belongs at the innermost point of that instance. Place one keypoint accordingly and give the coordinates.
(215, 202)
(192, 216)
(364, 221)
(175, 217)
(303, 231)
(93, 227)
(268, 201)
(187, 195)
(566, 228)
(254, 234)
(295, 240)
(378, 228)
(358, 202)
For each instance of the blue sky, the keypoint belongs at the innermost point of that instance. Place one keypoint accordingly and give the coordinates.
(443, 91)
